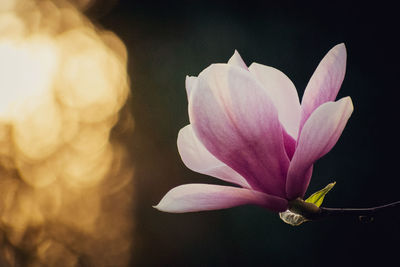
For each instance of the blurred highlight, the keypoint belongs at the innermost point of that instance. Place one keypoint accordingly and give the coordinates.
(65, 180)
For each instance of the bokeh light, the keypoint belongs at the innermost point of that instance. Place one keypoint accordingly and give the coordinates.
(65, 180)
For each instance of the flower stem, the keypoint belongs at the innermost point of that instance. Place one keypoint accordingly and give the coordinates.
(362, 213)
(312, 212)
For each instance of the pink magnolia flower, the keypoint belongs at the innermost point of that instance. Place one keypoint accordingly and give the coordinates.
(247, 127)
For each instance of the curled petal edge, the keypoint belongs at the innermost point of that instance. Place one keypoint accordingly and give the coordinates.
(190, 83)
(236, 60)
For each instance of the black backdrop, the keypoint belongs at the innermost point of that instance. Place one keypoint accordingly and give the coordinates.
(167, 40)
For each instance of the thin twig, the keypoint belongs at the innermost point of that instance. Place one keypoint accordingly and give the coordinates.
(325, 212)
(312, 212)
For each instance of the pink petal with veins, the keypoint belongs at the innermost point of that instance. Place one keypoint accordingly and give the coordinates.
(233, 116)
(200, 197)
(320, 133)
(197, 158)
(283, 94)
(325, 83)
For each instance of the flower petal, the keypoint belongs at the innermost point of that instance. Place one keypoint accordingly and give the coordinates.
(200, 197)
(320, 133)
(233, 116)
(236, 60)
(283, 94)
(190, 82)
(289, 143)
(325, 83)
(197, 158)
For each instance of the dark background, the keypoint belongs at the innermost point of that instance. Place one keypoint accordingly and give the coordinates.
(168, 40)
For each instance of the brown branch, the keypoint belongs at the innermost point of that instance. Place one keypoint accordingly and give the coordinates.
(312, 212)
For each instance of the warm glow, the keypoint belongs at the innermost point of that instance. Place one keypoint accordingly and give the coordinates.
(65, 186)
(27, 68)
